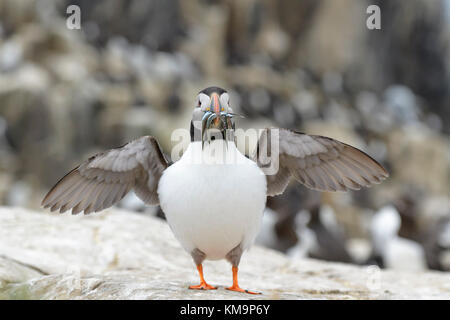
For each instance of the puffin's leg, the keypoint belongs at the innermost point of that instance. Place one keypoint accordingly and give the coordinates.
(198, 257)
(234, 257)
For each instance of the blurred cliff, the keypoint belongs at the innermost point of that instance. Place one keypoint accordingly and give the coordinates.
(135, 68)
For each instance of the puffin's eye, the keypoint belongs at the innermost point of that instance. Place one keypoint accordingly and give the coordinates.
(203, 101)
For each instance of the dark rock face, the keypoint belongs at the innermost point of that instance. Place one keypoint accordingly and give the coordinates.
(156, 24)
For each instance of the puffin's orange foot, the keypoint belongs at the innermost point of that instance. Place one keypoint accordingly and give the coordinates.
(239, 289)
(202, 286)
(235, 286)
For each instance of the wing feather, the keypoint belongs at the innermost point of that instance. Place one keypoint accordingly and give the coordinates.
(318, 162)
(107, 177)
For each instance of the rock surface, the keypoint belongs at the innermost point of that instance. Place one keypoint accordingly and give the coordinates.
(122, 255)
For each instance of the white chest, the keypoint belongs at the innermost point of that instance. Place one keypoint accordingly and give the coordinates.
(213, 202)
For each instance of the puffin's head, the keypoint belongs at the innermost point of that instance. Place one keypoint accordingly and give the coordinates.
(212, 116)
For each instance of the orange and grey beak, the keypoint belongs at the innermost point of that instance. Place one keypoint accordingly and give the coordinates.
(215, 104)
(216, 118)
(216, 108)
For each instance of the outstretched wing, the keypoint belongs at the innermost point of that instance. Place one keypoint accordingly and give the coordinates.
(318, 162)
(106, 178)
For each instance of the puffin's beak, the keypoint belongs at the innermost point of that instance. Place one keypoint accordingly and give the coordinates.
(214, 117)
(215, 104)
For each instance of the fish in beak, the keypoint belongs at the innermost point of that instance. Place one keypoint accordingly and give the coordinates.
(216, 122)
(215, 119)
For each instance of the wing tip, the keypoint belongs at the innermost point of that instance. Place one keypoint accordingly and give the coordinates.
(46, 202)
(383, 172)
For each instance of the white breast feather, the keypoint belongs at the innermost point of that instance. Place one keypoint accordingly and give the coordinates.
(211, 204)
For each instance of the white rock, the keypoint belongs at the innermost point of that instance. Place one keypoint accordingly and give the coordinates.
(121, 255)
